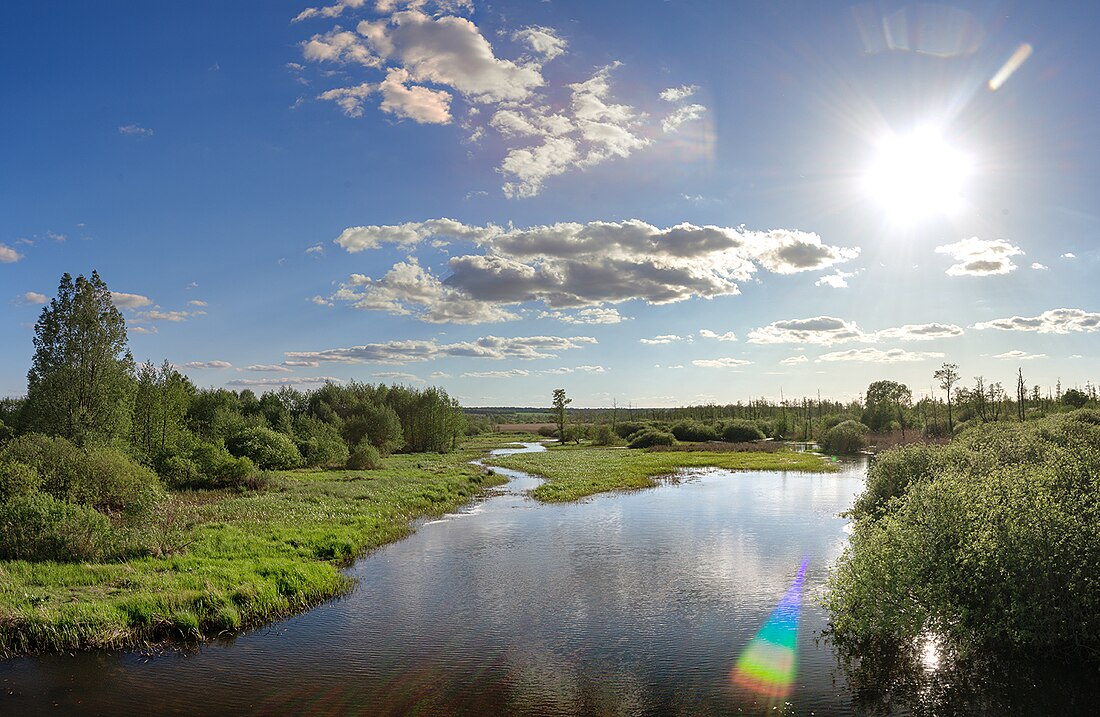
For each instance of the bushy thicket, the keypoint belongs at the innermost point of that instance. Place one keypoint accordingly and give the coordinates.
(990, 542)
(651, 437)
(741, 431)
(845, 438)
(365, 457)
(694, 431)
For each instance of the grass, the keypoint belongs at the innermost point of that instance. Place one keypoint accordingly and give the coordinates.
(573, 472)
(241, 559)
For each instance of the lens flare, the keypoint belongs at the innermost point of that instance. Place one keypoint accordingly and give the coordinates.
(769, 663)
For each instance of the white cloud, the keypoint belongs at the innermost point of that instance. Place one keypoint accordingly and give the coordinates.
(980, 257)
(404, 352)
(573, 265)
(586, 316)
(135, 130)
(398, 376)
(316, 249)
(8, 255)
(1039, 267)
(440, 374)
(576, 369)
(836, 280)
(268, 367)
(675, 94)
(510, 373)
(819, 330)
(33, 297)
(329, 11)
(129, 301)
(708, 334)
(543, 41)
(142, 329)
(682, 115)
(302, 364)
(1054, 321)
(349, 99)
(720, 363)
(873, 355)
(794, 360)
(284, 381)
(920, 332)
(156, 314)
(197, 302)
(417, 103)
(1069, 255)
(1018, 355)
(664, 339)
(208, 364)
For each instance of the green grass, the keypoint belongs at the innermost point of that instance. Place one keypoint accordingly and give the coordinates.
(573, 472)
(242, 559)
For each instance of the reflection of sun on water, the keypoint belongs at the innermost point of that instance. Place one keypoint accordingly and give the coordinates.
(918, 176)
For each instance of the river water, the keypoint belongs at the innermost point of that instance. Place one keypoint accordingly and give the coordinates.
(628, 603)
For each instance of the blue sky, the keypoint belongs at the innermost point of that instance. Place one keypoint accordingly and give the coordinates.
(657, 203)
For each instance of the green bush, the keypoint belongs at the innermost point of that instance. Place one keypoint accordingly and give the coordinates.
(694, 431)
(216, 466)
(365, 457)
(651, 437)
(378, 424)
(101, 477)
(320, 443)
(602, 435)
(740, 431)
(990, 542)
(40, 527)
(845, 438)
(626, 429)
(266, 448)
(548, 431)
(17, 479)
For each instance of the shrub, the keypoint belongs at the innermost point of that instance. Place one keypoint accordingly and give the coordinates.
(575, 434)
(17, 479)
(625, 429)
(740, 431)
(101, 477)
(694, 431)
(365, 457)
(891, 473)
(218, 468)
(548, 431)
(320, 443)
(179, 472)
(651, 437)
(844, 438)
(602, 435)
(266, 448)
(40, 527)
(378, 424)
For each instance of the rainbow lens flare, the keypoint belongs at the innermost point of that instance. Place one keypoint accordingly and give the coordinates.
(769, 663)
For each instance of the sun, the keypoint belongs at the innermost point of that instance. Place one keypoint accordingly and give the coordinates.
(918, 176)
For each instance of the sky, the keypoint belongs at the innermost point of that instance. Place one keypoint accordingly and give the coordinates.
(651, 203)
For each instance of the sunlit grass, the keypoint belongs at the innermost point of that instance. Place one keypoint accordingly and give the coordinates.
(573, 472)
(245, 559)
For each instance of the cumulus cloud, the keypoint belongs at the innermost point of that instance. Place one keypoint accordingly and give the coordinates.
(920, 332)
(269, 367)
(284, 381)
(720, 363)
(664, 339)
(1069, 255)
(135, 130)
(510, 373)
(572, 265)
(586, 316)
(708, 334)
(1018, 355)
(837, 280)
(301, 364)
(33, 297)
(404, 352)
(8, 255)
(829, 330)
(197, 302)
(157, 314)
(819, 330)
(873, 355)
(398, 376)
(430, 57)
(543, 41)
(1039, 267)
(675, 94)
(208, 364)
(794, 360)
(129, 301)
(1054, 321)
(980, 257)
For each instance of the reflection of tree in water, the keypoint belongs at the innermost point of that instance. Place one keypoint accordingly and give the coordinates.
(907, 679)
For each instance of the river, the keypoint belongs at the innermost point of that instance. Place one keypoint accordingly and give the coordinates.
(634, 603)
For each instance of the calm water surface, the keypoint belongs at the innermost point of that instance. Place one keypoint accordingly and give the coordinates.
(630, 603)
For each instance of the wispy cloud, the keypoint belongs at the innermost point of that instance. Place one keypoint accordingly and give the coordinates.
(208, 364)
(1017, 355)
(8, 255)
(135, 130)
(873, 355)
(487, 347)
(284, 381)
(1054, 321)
(720, 363)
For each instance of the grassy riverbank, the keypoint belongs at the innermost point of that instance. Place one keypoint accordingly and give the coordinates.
(241, 559)
(575, 472)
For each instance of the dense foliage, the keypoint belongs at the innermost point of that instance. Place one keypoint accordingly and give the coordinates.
(990, 542)
(845, 438)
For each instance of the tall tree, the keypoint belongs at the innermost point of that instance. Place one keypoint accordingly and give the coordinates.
(1021, 395)
(560, 402)
(80, 383)
(885, 398)
(948, 376)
